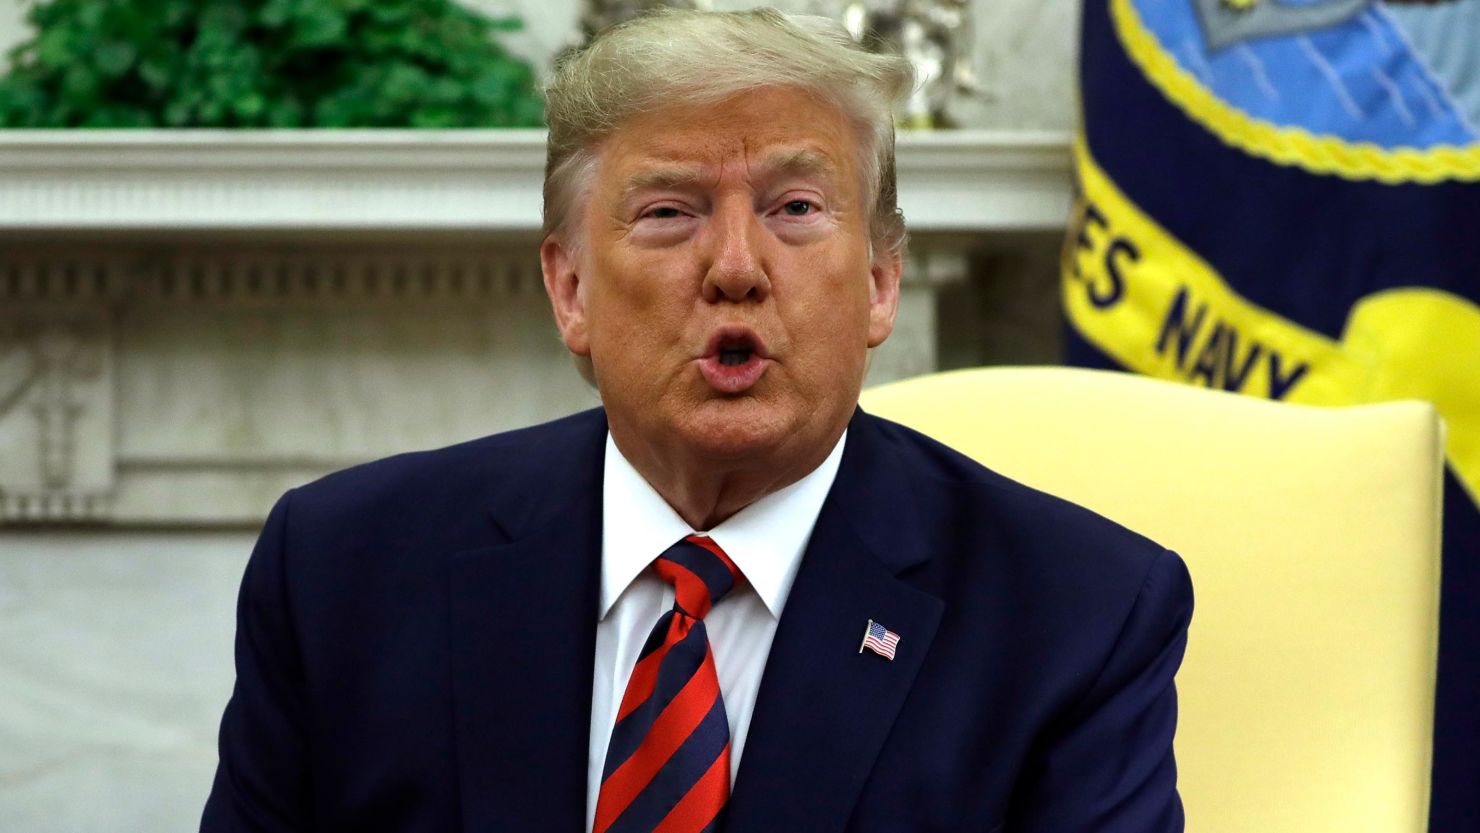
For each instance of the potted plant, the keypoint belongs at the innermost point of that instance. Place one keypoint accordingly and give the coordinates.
(265, 63)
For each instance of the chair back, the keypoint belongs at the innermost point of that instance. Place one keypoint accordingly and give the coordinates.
(1312, 534)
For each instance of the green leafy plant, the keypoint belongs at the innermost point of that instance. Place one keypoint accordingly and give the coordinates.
(265, 63)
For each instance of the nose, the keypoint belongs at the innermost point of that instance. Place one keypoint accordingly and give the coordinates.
(737, 267)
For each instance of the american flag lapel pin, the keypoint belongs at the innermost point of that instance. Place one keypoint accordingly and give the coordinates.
(880, 640)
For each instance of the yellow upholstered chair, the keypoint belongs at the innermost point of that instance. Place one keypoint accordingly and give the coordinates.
(1306, 696)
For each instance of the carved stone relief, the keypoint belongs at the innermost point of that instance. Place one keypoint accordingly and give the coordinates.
(193, 383)
(56, 416)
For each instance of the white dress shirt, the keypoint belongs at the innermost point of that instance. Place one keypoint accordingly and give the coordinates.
(765, 540)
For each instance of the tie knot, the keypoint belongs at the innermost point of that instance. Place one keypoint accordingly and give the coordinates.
(700, 572)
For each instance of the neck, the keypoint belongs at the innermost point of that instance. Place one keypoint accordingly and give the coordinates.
(703, 491)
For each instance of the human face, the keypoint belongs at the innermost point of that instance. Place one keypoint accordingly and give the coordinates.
(724, 288)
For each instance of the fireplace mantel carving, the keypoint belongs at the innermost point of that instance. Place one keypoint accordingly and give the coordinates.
(191, 323)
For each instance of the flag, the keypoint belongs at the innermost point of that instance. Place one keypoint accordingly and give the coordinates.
(1282, 198)
(880, 640)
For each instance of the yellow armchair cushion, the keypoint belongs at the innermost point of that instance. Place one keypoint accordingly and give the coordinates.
(1312, 534)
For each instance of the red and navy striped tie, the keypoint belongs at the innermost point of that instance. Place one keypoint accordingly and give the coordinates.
(668, 763)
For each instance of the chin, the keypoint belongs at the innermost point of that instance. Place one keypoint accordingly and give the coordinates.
(736, 430)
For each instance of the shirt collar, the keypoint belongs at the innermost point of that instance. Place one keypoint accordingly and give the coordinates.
(765, 539)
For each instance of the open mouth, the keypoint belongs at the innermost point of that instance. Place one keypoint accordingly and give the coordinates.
(734, 360)
(735, 354)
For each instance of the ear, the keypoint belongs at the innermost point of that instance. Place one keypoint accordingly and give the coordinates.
(883, 296)
(567, 298)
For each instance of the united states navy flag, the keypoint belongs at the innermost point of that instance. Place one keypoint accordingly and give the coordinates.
(1282, 198)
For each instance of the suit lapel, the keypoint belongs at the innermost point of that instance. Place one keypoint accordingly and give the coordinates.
(523, 625)
(523, 632)
(824, 709)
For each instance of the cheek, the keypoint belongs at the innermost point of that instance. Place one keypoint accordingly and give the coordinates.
(839, 285)
(831, 313)
(638, 299)
(618, 281)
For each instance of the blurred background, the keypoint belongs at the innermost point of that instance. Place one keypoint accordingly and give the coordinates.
(243, 244)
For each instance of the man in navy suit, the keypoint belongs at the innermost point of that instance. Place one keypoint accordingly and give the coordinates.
(653, 616)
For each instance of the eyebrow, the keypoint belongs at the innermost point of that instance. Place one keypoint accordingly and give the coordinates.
(795, 162)
(660, 177)
(803, 161)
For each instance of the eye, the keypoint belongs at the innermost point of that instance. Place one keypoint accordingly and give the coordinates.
(798, 208)
(663, 212)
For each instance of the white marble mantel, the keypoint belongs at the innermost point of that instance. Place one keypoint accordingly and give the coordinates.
(193, 321)
(463, 180)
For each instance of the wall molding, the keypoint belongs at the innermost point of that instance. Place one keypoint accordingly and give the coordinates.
(192, 322)
(467, 180)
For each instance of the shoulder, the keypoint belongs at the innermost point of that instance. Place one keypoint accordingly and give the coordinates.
(1051, 552)
(949, 482)
(447, 489)
(1070, 598)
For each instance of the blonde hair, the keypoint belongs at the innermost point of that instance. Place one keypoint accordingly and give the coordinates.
(681, 57)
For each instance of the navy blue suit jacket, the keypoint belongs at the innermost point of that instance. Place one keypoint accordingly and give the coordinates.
(416, 636)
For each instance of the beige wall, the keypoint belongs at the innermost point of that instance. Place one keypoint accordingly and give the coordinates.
(12, 23)
(115, 661)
